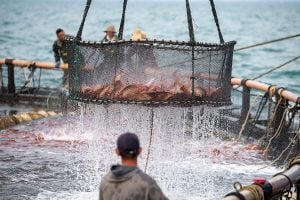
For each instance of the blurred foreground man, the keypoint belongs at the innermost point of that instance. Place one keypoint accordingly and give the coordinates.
(127, 181)
(60, 53)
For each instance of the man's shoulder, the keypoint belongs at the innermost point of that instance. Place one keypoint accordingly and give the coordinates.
(55, 44)
(106, 176)
(145, 177)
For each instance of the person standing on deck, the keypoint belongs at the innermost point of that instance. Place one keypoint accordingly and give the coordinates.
(127, 181)
(60, 53)
(110, 34)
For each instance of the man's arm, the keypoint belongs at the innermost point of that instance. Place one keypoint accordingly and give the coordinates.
(56, 53)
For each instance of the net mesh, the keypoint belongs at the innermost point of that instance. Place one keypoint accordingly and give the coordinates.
(150, 71)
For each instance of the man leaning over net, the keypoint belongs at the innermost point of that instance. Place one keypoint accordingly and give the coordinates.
(127, 181)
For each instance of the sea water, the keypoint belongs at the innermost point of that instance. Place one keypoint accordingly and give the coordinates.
(65, 157)
(27, 30)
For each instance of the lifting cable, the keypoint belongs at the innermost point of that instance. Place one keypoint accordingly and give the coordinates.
(150, 139)
(267, 42)
(276, 68)
(273, 69)
(213, 8)
(121, 29)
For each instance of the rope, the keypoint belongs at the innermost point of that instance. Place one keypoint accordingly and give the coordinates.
(294, 161)
(270, 121)
(32, 69)
(190, 22)
(282, 153)
(246, 119)
(213, 8)
(150, 139)
(120, 35)
(76, 78)
(1, 77)
(40, 76)
(255, 191)
(276, 68)
(273, 69)
(279, 130)
(86, 10)
(267, 42)
(261, 106)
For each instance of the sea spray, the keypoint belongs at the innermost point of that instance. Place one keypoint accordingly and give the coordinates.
(180, 135)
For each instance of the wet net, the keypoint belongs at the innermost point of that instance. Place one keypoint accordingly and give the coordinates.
(144, 71)
(150, 71)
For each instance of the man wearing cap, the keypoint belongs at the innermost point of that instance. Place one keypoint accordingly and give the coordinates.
(110, 34)
(127, 181)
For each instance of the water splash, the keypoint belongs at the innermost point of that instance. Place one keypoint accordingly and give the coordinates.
(183, 156)
(65, 157)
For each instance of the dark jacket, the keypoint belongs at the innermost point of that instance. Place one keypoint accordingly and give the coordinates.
(129, 183)
(60, 52)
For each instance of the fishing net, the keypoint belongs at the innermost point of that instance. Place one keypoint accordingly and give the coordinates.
(150, 71)
(269, 120)
(144, 71)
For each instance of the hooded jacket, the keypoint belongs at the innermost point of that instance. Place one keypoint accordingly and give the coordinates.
(129, 183)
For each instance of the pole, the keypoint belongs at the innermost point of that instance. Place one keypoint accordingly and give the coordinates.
(1, 79)
(11, 79)
(245, 103)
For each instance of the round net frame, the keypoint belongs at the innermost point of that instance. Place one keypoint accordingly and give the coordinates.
(150, 72)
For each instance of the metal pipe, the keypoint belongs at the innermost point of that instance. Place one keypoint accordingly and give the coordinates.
(37, 64)
(278, 182)
(264, 87)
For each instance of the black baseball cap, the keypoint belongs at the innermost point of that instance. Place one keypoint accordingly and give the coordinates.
(128, 144)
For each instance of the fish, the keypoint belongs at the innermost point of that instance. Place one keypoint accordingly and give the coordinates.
(180, 89)
(214, 92)
(134, 92)
(118, 86)
(105, 92)
(160, 96)
(200, 92)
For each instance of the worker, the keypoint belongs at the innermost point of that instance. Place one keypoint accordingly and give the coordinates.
(127, 181)
(60, 53)
(110, 34)
(140, 55)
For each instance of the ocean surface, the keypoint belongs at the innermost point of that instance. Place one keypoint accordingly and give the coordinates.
(65, 157)
(27, 30)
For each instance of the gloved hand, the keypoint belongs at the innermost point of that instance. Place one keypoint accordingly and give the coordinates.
(57, 65)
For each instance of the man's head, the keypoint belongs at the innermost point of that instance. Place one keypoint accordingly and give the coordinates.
(60, 34)
(110, 31)
(139, 35)
(128, 147)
